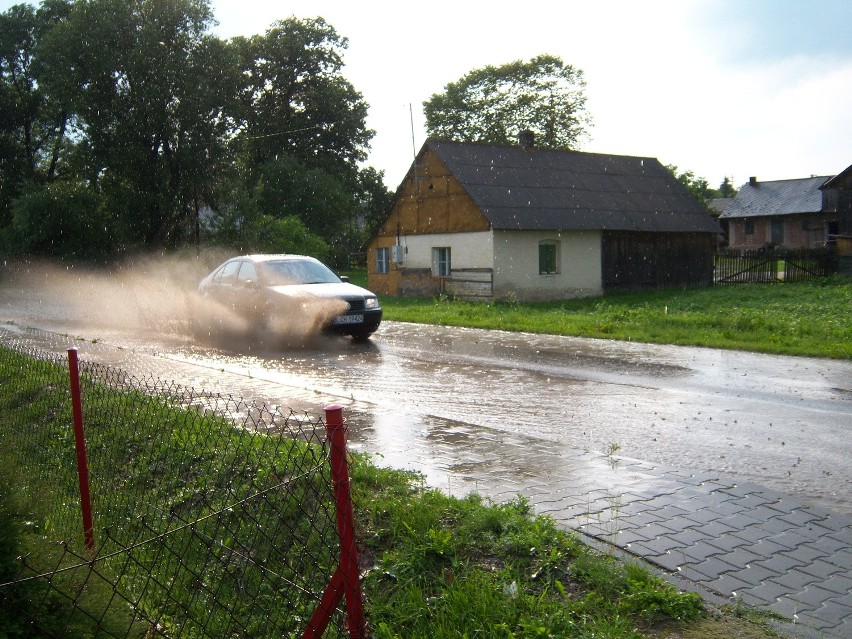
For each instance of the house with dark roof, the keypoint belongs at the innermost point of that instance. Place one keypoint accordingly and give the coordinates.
(516, 222)
(798, 213)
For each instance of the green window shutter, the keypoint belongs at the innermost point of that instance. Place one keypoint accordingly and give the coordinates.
(546, 258)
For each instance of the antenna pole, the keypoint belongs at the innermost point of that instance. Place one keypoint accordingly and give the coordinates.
(411, 119)
(413, 152)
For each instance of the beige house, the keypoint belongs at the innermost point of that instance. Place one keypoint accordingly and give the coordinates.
(495, 222)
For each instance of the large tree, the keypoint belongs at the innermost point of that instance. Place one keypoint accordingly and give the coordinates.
(302, 131)
(495, 103)
(149, 89)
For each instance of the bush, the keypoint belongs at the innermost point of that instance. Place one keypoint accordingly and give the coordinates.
(64, 220)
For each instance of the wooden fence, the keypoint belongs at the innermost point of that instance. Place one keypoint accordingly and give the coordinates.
(773, 265)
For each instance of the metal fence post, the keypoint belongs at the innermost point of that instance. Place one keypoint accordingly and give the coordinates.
(80, 444)
(346, 581)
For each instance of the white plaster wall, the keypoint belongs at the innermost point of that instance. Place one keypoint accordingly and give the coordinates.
(516, 273)
(467, 250)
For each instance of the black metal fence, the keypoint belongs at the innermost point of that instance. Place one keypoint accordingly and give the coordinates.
(213, 517)
(774, 265)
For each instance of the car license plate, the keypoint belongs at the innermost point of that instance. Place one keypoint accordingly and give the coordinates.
(349, 319)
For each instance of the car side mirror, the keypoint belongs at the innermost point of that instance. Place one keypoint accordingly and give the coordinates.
(344, 278)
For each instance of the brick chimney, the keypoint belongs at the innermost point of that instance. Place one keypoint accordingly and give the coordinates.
(752, 180)
(526, 139)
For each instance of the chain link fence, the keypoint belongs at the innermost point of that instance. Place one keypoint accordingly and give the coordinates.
(211, 516)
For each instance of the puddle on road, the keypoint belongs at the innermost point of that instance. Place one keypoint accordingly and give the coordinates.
(460, 457)
(490, 348)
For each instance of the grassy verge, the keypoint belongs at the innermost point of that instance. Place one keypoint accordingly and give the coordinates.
(805, 319)
(435, 566)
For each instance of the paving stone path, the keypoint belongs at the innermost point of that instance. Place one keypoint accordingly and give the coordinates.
(707, 533)
(712, 534)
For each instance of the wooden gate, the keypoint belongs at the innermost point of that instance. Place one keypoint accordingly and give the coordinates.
(773, 265)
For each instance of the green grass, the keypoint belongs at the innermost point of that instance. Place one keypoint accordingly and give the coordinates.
(450, 566)
(805, 319)
(155, 465)
(435, 566)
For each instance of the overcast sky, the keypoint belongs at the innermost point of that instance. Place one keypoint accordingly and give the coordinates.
(719, 87)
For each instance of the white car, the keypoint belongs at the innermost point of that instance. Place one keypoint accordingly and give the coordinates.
(285, 291)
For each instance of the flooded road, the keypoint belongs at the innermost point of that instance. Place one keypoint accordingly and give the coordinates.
(776, 421)
(781, 422)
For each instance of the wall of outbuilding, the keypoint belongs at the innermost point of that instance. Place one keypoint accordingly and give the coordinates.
(644, 260)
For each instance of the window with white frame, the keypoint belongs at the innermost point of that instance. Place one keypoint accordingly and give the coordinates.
(441, 265)
(383, 260)
(548, 257)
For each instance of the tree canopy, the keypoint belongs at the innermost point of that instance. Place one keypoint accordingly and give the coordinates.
(153, 130)
(495, 103)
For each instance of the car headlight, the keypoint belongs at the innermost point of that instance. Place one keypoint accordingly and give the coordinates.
(371, 303)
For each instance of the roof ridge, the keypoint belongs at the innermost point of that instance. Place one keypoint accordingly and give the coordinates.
(515, 147)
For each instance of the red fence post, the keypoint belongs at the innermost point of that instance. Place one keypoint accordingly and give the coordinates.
(80, 443)
(346, 581)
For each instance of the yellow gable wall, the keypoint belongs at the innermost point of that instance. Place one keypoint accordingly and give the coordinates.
(433, 202)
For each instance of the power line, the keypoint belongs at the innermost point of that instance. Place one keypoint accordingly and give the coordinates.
(280, 133)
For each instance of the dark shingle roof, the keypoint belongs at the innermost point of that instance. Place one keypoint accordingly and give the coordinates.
(521, 189)
(778, 197)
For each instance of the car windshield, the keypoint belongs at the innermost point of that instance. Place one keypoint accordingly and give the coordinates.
(298, 272)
